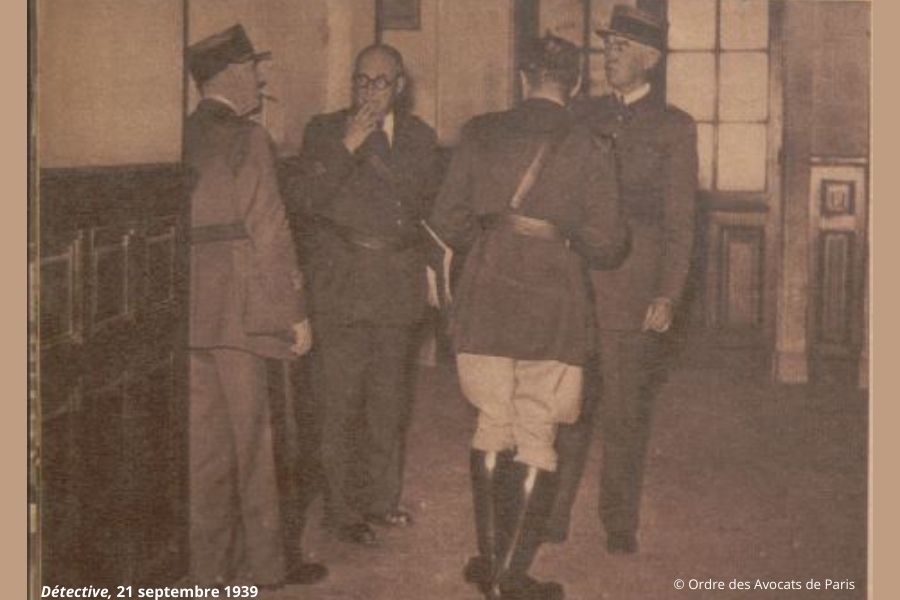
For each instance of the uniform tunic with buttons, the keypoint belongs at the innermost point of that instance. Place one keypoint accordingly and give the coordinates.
(232, 162)
(656, 147)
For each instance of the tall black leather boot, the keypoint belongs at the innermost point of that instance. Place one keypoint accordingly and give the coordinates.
(486, 469)
(529, 494)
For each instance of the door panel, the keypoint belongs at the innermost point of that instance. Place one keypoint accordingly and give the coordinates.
(735, 281)
(838, 209)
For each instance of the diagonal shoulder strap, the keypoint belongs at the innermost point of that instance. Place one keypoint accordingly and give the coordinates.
(545, 152)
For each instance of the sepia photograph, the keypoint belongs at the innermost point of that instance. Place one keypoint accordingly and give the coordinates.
(449, 299)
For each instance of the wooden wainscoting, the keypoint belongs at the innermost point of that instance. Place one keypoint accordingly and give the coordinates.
(111, 272)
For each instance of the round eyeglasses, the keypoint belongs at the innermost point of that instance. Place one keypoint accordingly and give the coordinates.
(380, 83)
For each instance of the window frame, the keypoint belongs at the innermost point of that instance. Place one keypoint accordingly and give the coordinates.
(716, 122)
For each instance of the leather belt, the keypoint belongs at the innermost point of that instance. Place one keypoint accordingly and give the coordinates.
(523, 225)
(223, 232)
(369, 242)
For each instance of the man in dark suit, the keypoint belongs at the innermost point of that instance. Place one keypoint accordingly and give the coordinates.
(246, 305)
(656, 148)
(532, 198)
(370, 173)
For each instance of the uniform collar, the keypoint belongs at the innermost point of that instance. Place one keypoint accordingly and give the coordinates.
(214, 108)
(541, 114)
(634, 95)
(222, 100)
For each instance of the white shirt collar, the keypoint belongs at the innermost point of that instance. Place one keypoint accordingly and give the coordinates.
(388, 127)
(634, 95)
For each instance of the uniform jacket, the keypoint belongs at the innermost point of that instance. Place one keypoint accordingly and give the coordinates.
(233, 181)
(335, 187)
(521, 296)
(656, 148)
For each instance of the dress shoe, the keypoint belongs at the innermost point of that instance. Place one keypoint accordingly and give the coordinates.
(391, 518)
(357, 533)
(621, 543)
(528, 588)
(306, 573)
(479, 570)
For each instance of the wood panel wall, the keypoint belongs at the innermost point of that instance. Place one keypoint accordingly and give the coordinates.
(111, 277)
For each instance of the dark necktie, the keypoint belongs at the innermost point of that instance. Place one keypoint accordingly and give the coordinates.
(378, 141)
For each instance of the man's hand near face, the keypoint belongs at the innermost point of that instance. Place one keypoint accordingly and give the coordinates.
(360, 126)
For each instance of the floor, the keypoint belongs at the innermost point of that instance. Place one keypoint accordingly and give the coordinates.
(747, 483)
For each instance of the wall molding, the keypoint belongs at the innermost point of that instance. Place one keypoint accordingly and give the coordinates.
(839, 160)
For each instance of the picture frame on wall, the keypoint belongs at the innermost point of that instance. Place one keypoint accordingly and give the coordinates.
(399, 14)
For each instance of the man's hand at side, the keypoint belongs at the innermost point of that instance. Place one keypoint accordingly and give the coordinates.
(659, 315)
(303, 338)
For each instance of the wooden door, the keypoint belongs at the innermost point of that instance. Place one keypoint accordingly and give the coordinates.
(110, 274)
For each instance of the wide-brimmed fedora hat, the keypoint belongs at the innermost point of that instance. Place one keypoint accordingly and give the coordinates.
(637, 25)
(213, 54)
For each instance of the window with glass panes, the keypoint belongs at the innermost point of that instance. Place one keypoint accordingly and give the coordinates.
(718, 71)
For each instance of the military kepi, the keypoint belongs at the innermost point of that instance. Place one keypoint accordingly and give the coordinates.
(211, 55)
(637, 25)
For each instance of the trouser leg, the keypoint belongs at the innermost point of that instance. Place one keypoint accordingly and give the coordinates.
(309, 477)
(213, 507)
(520, 404)
(284, 438)
(339, 362)
(546, 393)
(244, 383)
(387, 406)
(295, 429)
(488, 382)
(572, 445)
(628, 364)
